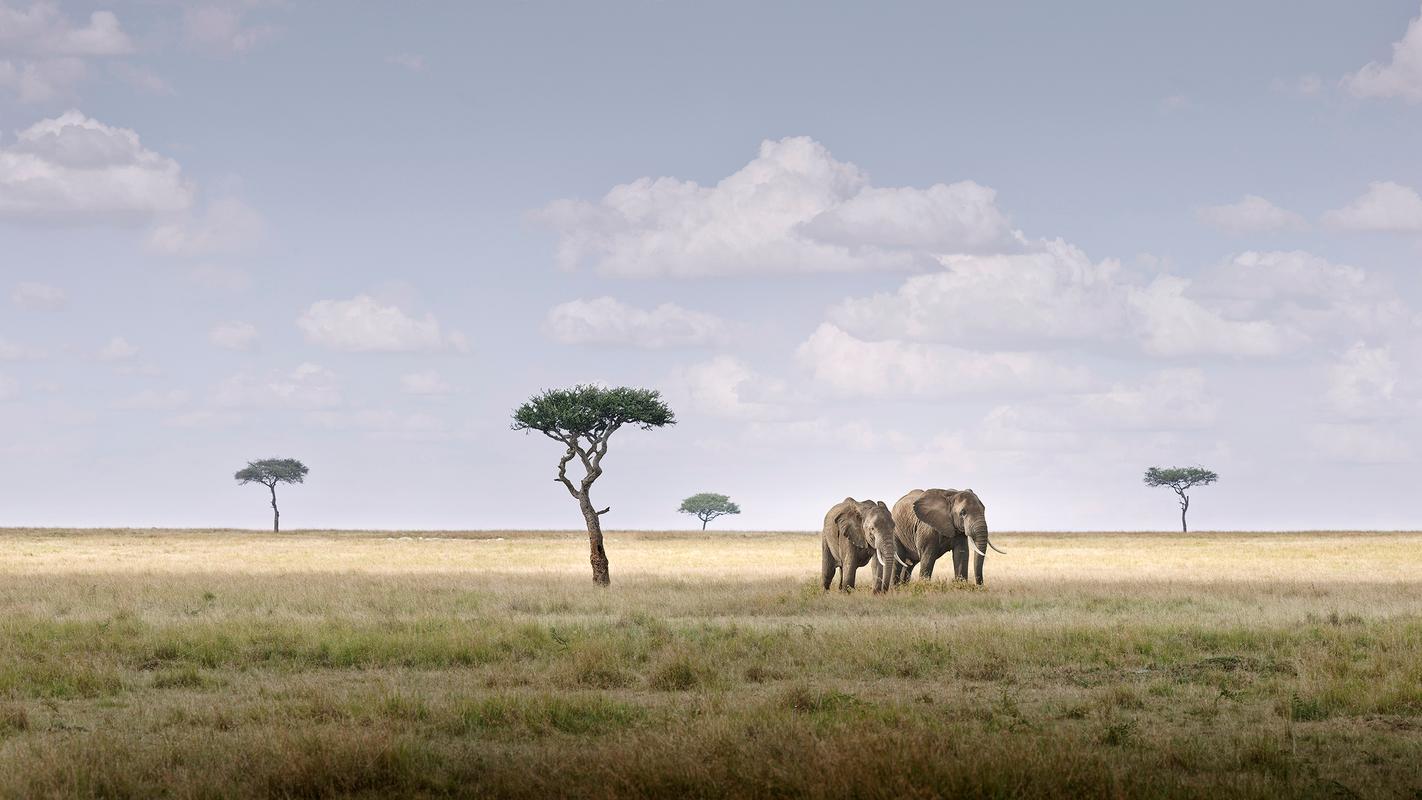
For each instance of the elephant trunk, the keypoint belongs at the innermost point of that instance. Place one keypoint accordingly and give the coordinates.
(887, 555)
(978, 537)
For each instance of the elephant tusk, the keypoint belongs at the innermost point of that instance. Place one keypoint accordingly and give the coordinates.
(976, 549)
(995, 547)
(901, 561)
(879, 559)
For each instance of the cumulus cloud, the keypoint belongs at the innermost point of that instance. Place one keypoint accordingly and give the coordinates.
(1050, 297)
(727, 387)
(42, 29)
(118, 349)
(1386, 207)
(227, 226)
(1251, 214)
(363, 324)
(33, 296)
(51, 49)
(794, 208)
(1166, 400)
(13, 351)
(428, 383)
(1363, 383)
(308, 386)
(223, 29)
(1358, 443)
(607, 321)
(410, 61)
(854, 367)
(1400, 77)
(75, 169)
(233, 335)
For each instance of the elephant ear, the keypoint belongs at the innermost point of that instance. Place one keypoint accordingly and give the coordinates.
(935, 509)
(850, 525)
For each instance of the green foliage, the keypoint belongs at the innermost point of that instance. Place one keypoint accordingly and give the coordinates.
(592, 411)
(271, 471)
(708, 506)
(1180, 478)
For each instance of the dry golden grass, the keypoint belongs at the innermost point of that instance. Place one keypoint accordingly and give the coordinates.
(323, 663)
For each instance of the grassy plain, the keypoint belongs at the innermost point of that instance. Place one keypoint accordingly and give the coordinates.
(215, 664)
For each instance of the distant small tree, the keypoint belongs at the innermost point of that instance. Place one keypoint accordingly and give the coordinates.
(582, 419)
(1180, 479)
(269, 472)
(708, 506)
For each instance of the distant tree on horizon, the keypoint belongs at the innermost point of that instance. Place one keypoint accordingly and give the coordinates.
(582, 419)
(1180, 480)
(269, 472)
(708, 506)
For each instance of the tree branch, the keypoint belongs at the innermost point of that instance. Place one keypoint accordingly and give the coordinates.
(604, 511)
(563, 471)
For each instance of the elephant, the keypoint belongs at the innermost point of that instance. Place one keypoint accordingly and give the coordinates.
(855, 533)
(929, 523)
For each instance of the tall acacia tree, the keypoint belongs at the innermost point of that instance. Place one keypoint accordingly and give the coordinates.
(269, 472)
(1180, 480)
(582, 419)
(708, 506)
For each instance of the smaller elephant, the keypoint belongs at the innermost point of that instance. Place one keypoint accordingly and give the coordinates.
(855, 533)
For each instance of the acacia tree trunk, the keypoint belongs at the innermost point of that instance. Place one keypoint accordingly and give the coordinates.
(704, 520)
(276, 515)
(1184, 506)
(596, 554)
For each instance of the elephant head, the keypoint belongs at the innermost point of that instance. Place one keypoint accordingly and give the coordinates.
(879, 532)
(953, 512)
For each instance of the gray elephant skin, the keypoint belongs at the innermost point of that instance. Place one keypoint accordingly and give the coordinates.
(855, 533)
(931, 522)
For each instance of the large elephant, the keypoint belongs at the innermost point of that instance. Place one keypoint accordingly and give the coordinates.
(855, 533)
(929, 523)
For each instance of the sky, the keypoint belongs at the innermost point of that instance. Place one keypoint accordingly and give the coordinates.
(1030, 249)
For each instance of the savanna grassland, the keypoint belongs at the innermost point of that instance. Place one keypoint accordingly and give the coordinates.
(318, 663)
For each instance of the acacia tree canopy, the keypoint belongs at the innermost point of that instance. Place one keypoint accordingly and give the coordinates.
(269, 472)
(582, 419)
(708, 506)
(1180, 479)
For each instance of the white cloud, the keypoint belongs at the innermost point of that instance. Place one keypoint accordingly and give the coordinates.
(33, 296)
(607, 321)
(76, 169)
(794, 208)
(308, 386)
(382, 423)
(1251, 214)
(228, 226)
(43, 29)
(362, 324)
(1363, 383)
(1167, 400)
(233, 335)
(429, 383)
(52, 49)
(1358, 443)
(1052, 297)
(1401, 77)
(118, 349)
(141, 78)
(1386, 207)
(895, 369)
(43, 80)
(10, 351)
(223, 30)
(410, 61)
(727, 387)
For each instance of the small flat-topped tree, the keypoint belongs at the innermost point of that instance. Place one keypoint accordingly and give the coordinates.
(1180, 480)
(269, 472)
(708, 506)
(582, 419)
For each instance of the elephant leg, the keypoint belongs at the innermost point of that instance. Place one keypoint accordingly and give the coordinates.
(960, 557)
(925, 567)
(826, 564)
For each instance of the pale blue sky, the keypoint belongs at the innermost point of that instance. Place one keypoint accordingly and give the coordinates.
(1030, 249)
